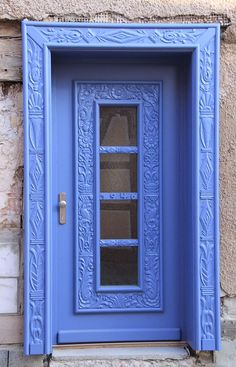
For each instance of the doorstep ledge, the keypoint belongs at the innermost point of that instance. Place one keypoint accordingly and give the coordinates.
(139, 353)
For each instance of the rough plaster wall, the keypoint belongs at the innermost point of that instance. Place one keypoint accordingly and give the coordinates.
(11, 153)
(10, 46)
(228, 162)
(11, 180)
(40, 9)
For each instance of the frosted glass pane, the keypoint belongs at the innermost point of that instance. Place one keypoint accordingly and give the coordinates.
(118, 172)
(118, 219)
(118, 125)
(119, 266)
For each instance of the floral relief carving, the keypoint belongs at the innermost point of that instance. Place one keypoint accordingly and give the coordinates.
(207, 72)
(175, 36)
(37, 321)
(36, 186)
(85, 292)
(36, 268)
(86, 225)
(206, 217)
(87, 298)
(124, 36)
(36, 172)
(35, 78)
(151, 224)
(206, 130)
(36, 132)
(37, 220)
(206, 170)
(207, 264)
(207, 200)
(153, 281)
(207, 316)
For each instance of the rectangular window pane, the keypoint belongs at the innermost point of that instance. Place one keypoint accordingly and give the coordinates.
(118, 125)
(119, 266)
(118, 172)
(118, 219)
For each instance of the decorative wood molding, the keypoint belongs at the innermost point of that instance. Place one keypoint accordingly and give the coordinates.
(149, 95)
(203, 42)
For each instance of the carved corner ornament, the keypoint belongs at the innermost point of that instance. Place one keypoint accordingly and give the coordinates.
(202, 42)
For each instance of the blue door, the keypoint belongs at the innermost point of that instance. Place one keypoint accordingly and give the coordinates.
(116, 248)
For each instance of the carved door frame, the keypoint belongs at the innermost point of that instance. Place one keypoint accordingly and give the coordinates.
(202, 315)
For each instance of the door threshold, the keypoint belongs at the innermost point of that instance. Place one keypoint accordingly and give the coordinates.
(121, 345)
(110, 351)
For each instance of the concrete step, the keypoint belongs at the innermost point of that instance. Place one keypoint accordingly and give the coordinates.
(106, 356)
(122, 357)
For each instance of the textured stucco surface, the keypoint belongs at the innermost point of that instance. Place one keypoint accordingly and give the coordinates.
(40, 9)
(228, 164)
(189, 362)
(11, 154)
(11, 184)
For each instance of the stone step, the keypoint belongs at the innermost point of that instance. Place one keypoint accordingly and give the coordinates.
(122, 357)
(106, 356)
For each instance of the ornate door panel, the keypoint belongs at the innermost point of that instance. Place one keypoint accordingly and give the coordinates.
(115, 251)
(100, 107)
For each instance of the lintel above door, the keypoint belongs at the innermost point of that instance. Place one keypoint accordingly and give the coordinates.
(201, 280)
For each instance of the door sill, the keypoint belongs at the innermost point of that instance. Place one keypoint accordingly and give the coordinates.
(121, 345)
(138, 351)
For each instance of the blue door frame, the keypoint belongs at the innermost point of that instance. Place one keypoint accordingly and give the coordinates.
(201, 282)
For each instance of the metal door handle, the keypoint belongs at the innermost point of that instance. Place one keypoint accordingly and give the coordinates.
(62, 207)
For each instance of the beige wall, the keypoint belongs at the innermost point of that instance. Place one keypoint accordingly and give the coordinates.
(11, 161)
(131, 9)
(228, 163)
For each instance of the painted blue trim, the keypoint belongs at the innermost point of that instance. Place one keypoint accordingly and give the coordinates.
(120, 102)
(118, 196)
(216, 189)
(161, 195)
(207, 202)
(123, 25)
(75, 336)
(118, 149)
(196, 128)
(141, 262)
(125, 37)
(76, 185)
(26, 193)
(97, 196)
(119, 288)
(119, 243)
(121, 48)
(124, 292)
(48, 198)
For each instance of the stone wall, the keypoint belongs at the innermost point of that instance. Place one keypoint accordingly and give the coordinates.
(11, 170)
(11, 140)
